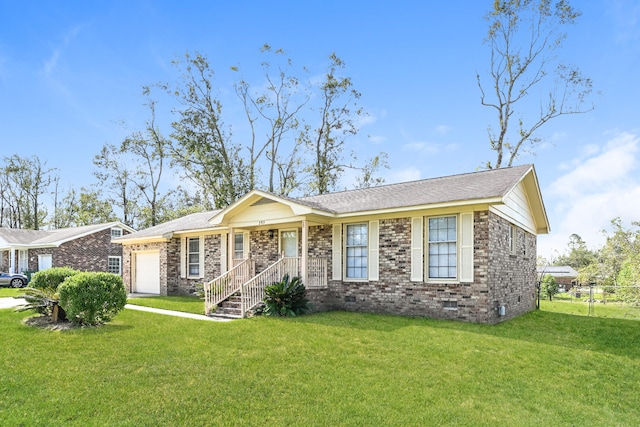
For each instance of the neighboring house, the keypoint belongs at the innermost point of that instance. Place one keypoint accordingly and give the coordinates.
(87, 248)
(565, 276)
(458, 247)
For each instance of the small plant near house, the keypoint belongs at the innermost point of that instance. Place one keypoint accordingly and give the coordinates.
(286, 298)
(91, 299)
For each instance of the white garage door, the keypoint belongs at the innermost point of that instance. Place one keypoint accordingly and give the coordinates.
(147, 273)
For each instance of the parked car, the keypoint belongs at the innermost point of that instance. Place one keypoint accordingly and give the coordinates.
(13, 280)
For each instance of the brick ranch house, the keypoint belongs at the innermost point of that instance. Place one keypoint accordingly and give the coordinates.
(87, 248)
(459, 247)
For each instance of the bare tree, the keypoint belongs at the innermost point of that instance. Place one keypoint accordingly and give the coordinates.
(524, 36)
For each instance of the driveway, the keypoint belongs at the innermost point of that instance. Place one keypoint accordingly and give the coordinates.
(10, 302)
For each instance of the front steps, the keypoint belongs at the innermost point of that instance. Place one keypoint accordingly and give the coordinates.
(231, 308)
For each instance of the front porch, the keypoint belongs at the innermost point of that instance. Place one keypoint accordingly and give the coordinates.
(244, 289)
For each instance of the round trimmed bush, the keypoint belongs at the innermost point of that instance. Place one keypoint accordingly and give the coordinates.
(51, 278)
(92, 298)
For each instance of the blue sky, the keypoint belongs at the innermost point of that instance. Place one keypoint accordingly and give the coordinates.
(71, 71)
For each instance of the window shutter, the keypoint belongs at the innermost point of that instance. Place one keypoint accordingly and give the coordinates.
(223, 254)
(245, 245)
(466, 247)
(336, 257)
(201, 260)
(183, 257)
(417, 251)
(374, 250)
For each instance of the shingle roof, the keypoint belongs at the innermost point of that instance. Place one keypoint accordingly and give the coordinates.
(454, 188)
(194, 221)
(558, 270)
(19, 237)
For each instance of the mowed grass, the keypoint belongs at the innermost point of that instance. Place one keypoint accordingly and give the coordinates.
(612, 309)
(10, 292)
(328, 369)
(193, 305)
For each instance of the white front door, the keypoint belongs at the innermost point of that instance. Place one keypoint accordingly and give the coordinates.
(44, 262)
(289, 243)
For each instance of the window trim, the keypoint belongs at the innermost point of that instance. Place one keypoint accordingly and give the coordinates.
(116, 230)
(427, 243)
(235, 251)
(288, 230)
(346, 256)
(188, 260)
(513, 239)
(113, 257)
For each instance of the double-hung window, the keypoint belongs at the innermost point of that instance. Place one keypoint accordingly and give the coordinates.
(442, 247)
(238, 246)
(193, 256)
(512, 239)
(357, 249)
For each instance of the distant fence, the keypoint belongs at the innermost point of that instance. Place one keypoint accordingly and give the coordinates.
(604, 301)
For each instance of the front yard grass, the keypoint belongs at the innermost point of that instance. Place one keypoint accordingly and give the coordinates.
(334, 368)
(193, 305)
(10, 292)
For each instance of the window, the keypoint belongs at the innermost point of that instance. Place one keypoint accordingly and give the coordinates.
(23, 260)
(114, 265)
(442, 250)
(289, 243)
(193, 256)
(512, 239)
(450, 305)
(238, 246)
(357, 248)
(116, 232)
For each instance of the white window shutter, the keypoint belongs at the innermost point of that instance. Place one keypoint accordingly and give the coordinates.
(374, 250)
(417, 249)
(246, 247)
(336, 257)
(183, 257)
(201, 260)
(466, 247)
(224, 266)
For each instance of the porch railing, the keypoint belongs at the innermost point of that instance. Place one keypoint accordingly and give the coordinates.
(227, 284)
(253, 290)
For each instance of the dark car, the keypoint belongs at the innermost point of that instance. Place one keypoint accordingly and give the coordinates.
(13, 280)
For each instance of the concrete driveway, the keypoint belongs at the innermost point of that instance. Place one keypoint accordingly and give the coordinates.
(9, 302)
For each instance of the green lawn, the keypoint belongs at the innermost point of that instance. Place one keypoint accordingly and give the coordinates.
(187, 304)
(329, 369)
(10, 292)
(611, 309)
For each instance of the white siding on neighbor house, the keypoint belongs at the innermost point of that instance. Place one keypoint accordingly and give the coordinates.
(517, 209)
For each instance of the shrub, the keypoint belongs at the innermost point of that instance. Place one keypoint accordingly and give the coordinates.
(44, 301)
(51, 278)
(92, 298)
(286, 298)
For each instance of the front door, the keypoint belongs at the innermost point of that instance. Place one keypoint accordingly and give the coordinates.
(289, 243)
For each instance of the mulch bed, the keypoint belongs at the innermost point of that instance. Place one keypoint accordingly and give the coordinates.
(45, 322)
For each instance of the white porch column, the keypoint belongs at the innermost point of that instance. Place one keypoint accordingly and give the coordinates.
(231, 249)
(305, 252)
(12, 262)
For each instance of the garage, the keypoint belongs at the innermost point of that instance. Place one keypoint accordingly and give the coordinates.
(147, 273)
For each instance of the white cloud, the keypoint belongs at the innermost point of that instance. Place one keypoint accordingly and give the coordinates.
(51, 63)
(602, 184)
(403, 175)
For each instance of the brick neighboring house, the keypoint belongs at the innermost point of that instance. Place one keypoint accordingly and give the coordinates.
(87, 248)
(565, 275)
(459, 247)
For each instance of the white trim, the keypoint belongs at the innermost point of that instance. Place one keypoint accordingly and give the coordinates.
(417, 249)
(109, 258)
(374, 250)
(336, 255)
(466, 247)
(201, 260)
(224, 266)
(246, 245)
(182, 253)
(286, 230)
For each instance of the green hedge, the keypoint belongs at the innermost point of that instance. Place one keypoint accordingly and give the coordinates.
(92, 298)
(51, 278)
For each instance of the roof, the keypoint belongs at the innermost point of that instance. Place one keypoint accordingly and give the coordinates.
(558, 270)
(194, 221)
(47, 238)
(495, 183)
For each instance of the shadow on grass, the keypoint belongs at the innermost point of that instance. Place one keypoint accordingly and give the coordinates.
(605, 335)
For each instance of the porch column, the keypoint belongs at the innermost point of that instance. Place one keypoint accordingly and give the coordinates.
(12, 262)
(305, 252)
(230, 249)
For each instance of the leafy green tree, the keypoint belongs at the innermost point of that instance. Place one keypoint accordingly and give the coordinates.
(524, 37)
(25, 180)
(549, 286)
(85, 207)
(578, 255)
